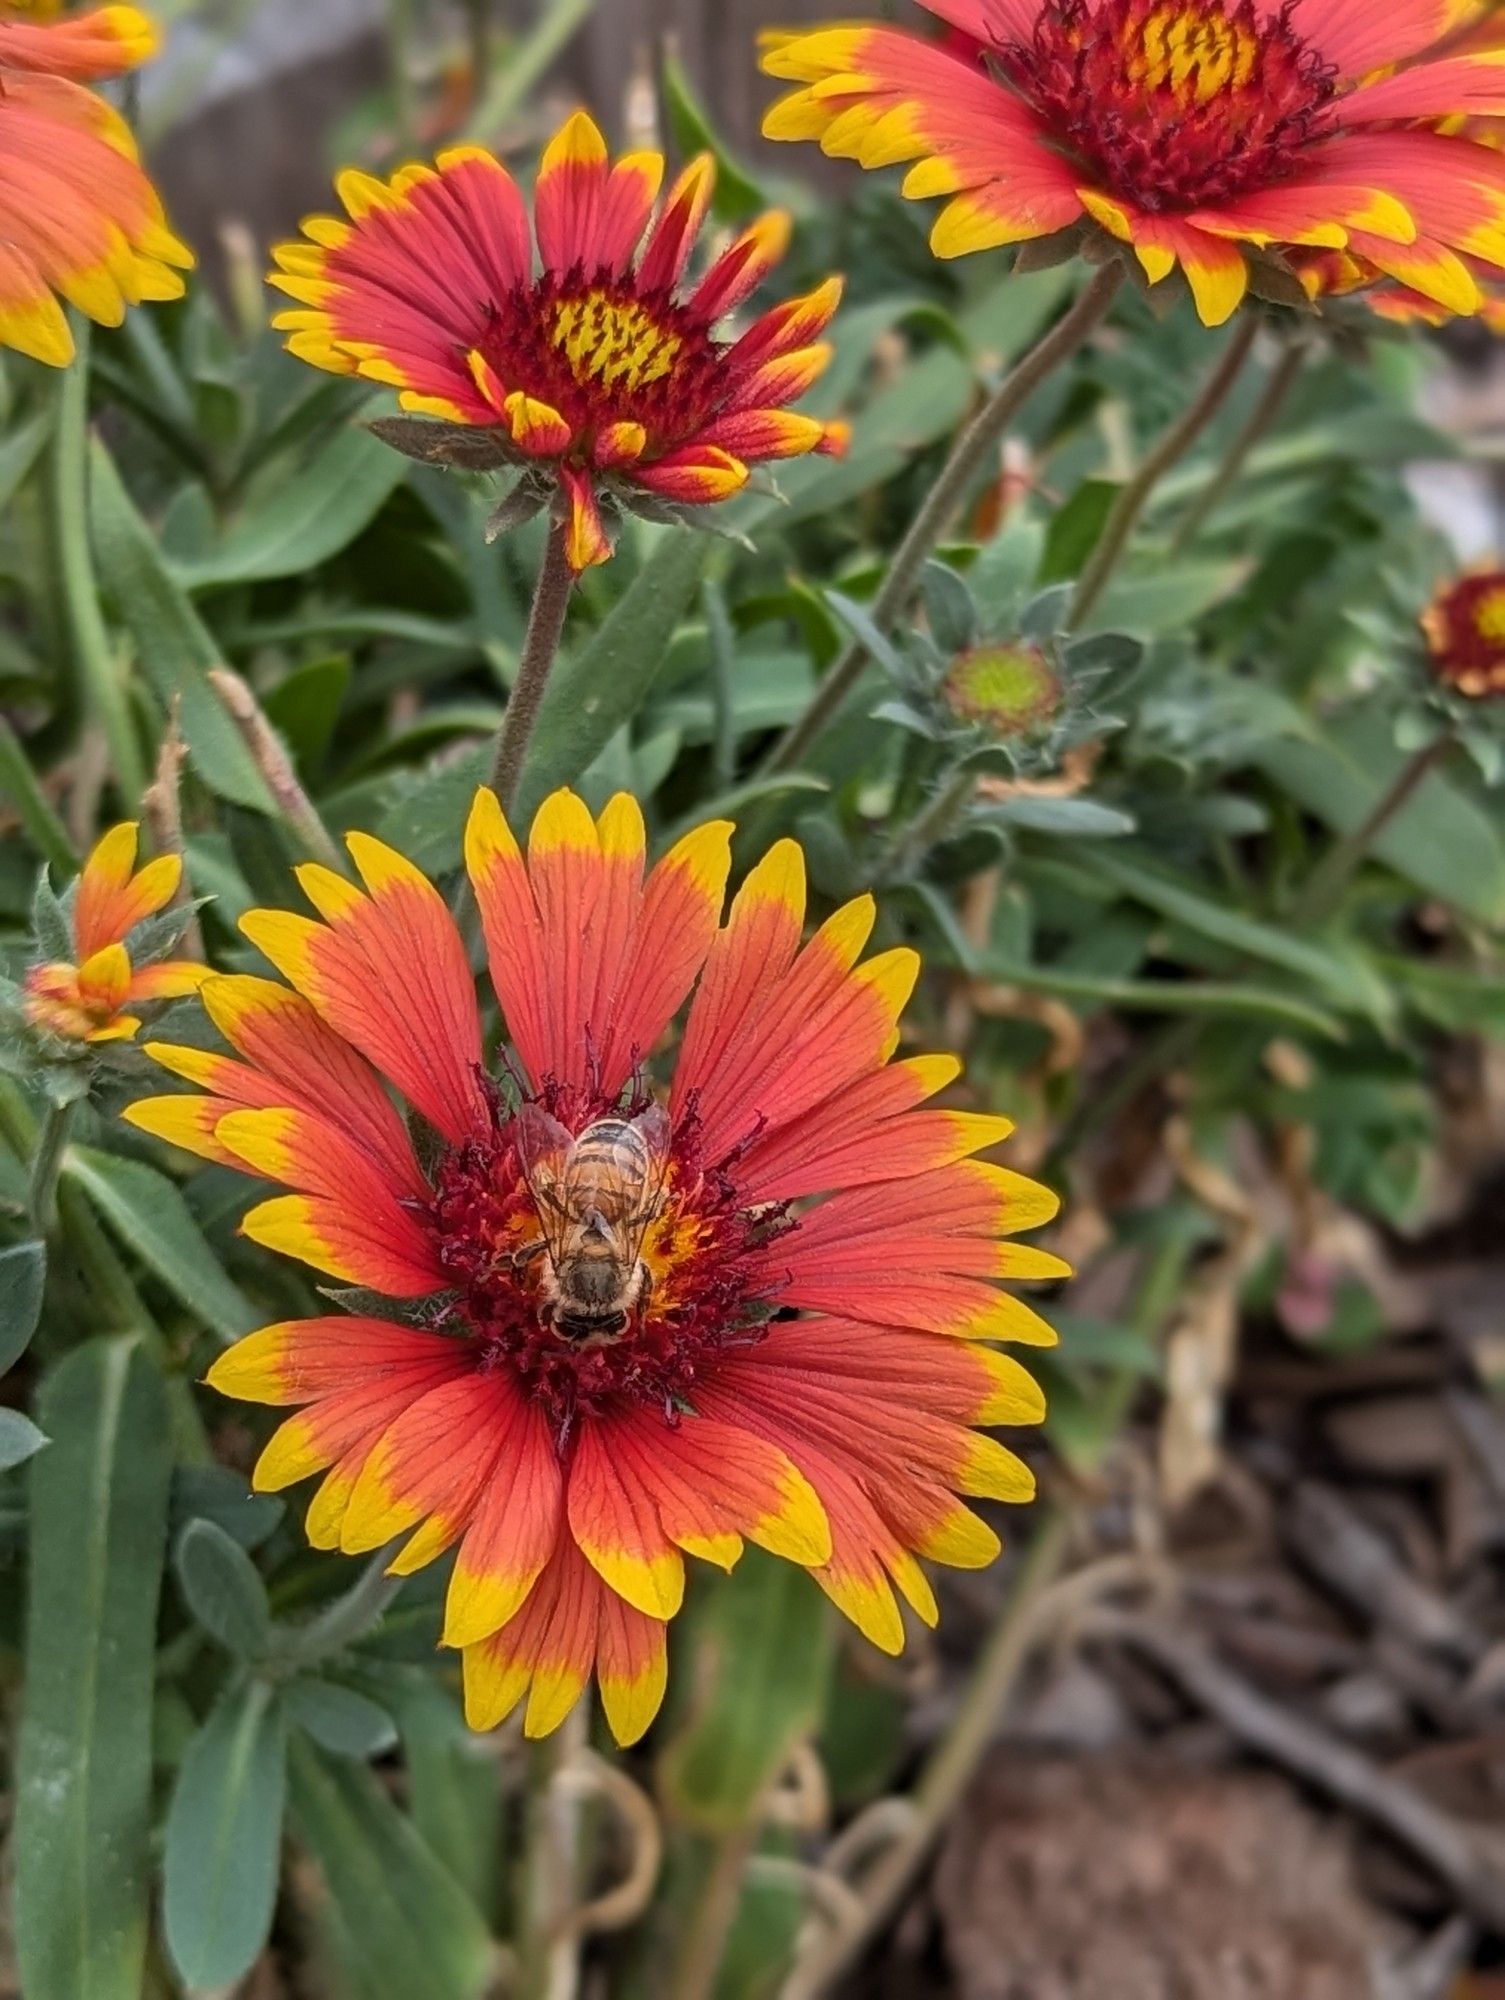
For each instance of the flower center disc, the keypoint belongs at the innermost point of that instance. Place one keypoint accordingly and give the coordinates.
(593, 349)
(1174, 103)
(704, 1290)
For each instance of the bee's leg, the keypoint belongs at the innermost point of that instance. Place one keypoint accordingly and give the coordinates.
(528, 1252)
(645, 1290)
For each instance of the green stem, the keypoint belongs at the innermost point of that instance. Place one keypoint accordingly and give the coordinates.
(1325, 885)
(931, 825)
(1220, 483)
(18, 781)
(479, 36)
(551, 603)
(47, 1164)
(68, 497)
(972, 451)
(701, 1946)
(351, 1616)
(1173, 445)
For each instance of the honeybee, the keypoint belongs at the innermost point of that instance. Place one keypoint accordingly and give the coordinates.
(596, 1195)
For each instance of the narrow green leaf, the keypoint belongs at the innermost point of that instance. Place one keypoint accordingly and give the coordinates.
(738, 196)
(1338, 979)
(305, 519)
(99, 1527)
(23, 1276)
(405, 1923)
(1440, 840)
(223, 1589)
(19, 1439)
(174, 648)
(224, 1834)
(1076, 818)
(148, 1213)
(594, 691)
(452, 1789)
(1220, 998)
(215, 1493)
(340, 1720)
(763, 1644)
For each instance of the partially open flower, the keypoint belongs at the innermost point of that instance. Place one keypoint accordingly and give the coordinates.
(597, 374)
(627, 1325)
(1465, 632)
(80, 223)
(89, 998)
(1008, 690)
(1213, 135)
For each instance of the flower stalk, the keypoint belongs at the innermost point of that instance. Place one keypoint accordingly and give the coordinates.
(1256, 427)
(47, 1165)
(298, 811)
(1325, 885)
(551, 603)
(972, 451)
(1167, 451)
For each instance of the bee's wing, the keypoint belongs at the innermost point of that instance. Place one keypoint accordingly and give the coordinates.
(652, 1127)
(543, 1149)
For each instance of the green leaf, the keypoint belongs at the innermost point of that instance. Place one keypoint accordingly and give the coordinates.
(306, 519)
(1075, 529)
(99, 1528)
(1220, 998)
(1341, 980)
(222, 1852)
(23, 1277)
(1167, 600)
(339, 1719)
(763, 1644)
(223, 1589)
(19, 1439)
(1075, 818)
(216, 1493)
(452, 1789)
(148, 1213)
(404, 1923)
(305, 707)
(1441, 840)
(737, 196)
(594, 691)
(173, 646)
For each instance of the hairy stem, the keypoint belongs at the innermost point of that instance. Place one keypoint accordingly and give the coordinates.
(68, 522)
(971, 452)
(46, 1165)
(1220, 483)
(551, 602)
(1172, 446)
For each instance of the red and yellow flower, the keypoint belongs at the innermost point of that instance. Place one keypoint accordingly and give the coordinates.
(88, 998)
(80, 223)
(1208, 135)
(813, 1347)
(1465, 633)
(599, 373)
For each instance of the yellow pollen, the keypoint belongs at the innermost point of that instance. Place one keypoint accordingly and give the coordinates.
(1196, 55)
(1489, 617)
(613, 343)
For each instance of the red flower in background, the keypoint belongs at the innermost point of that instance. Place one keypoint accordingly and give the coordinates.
(1202, 133)
(598, 372)
(758, 1309)
(1465, 632)
(80, 222)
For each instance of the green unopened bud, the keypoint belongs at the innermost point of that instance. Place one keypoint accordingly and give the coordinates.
(1007, 690)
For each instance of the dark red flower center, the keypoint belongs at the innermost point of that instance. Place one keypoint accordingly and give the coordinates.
(694, 1287)
(1466, 633)
(600, 353)
(1176, 104)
